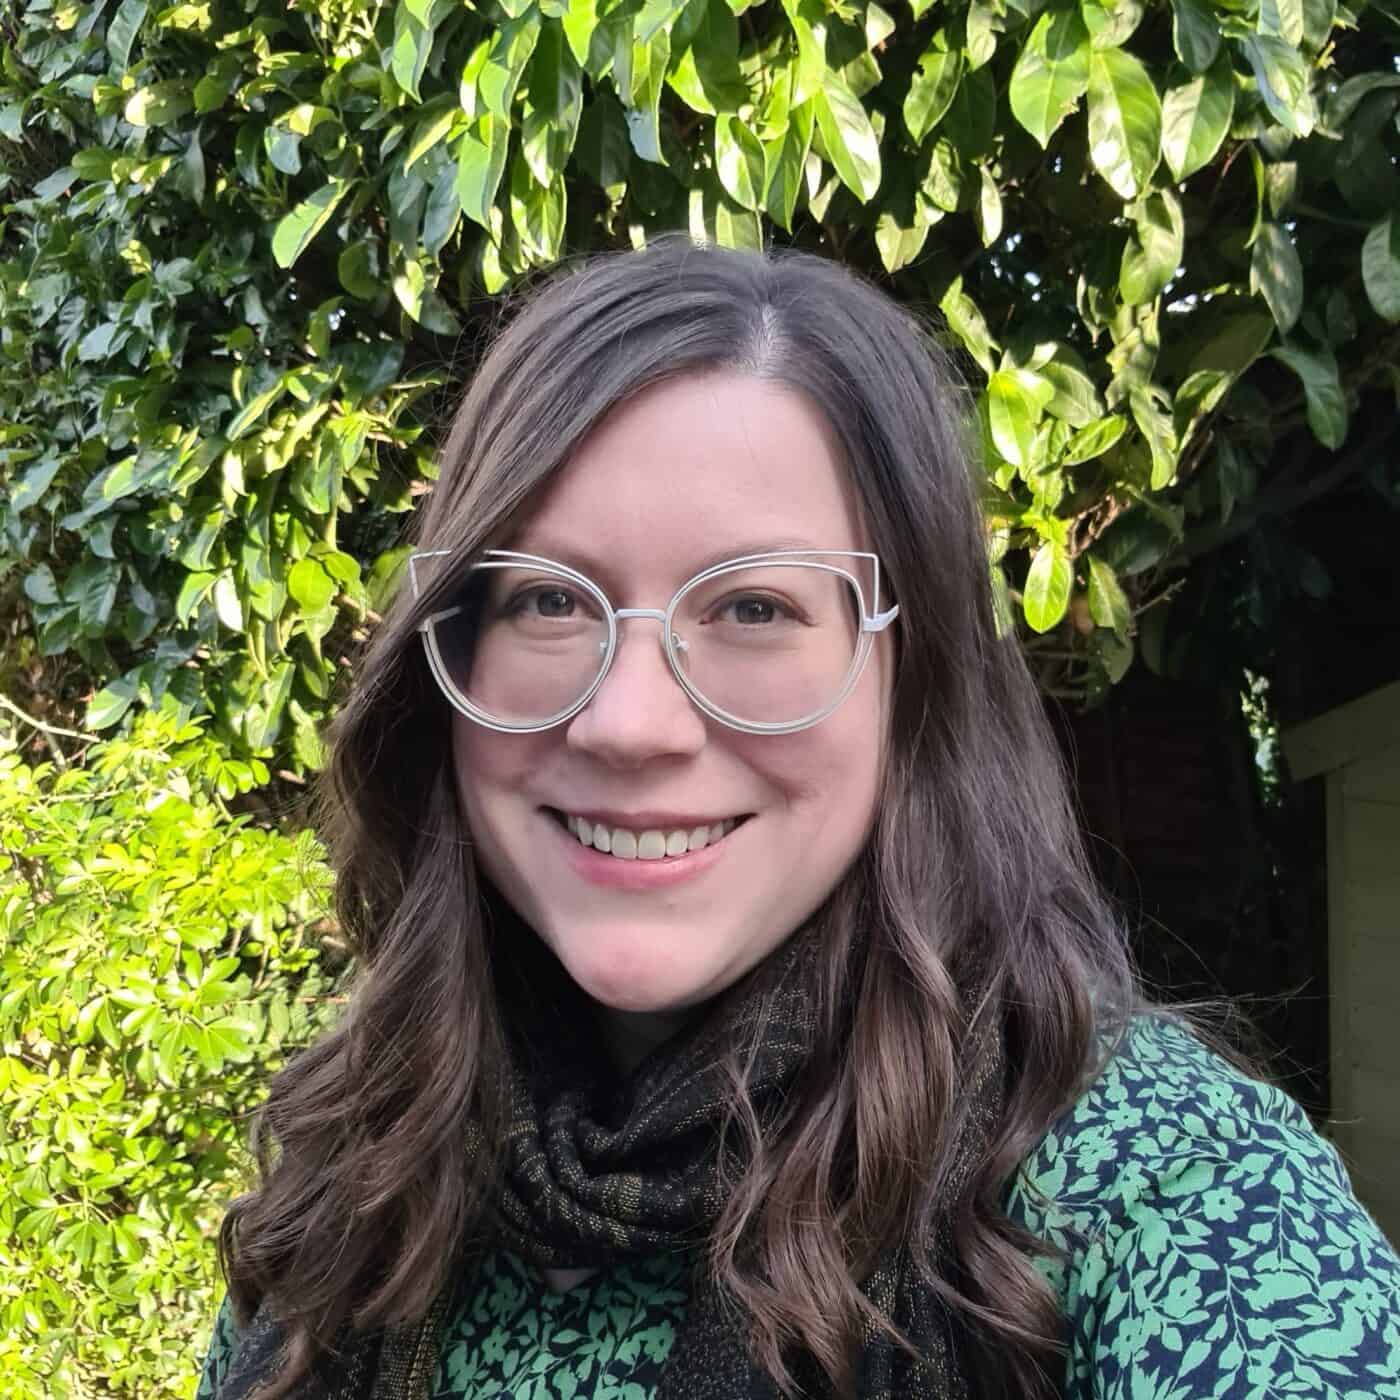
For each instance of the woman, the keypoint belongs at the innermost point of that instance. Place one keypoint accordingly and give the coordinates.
(738, 1016)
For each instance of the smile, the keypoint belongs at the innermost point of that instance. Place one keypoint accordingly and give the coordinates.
(651, 844)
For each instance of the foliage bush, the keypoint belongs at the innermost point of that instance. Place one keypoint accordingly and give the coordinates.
(156, 955)
(245, 240)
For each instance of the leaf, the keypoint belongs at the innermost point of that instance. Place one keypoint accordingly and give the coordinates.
(1284, 83)
(739, 161)
(1051, 74)
(989, 210)
(1195, 33)
(1093, 440)
(310, 585)
(603, 150)
(1276, 272)
(1380, 267)
(1195, 118)
(505, 61)
(413, 42)
(358, 269)
(1146, 404)
(1016, 400)
(160, 104)
(643, 107)
(850, 140)
(897, 244)
(969, 325)
(933, 86)
(1153, 251)
(1283, 18)
(1322, 391)
(227, 604)
(1108, 604)
(295, 230)
(784, 161)
(1125, 121)
(578, 24)
(707, 76)
(1048, 584)
(122, 31)
(481, 161)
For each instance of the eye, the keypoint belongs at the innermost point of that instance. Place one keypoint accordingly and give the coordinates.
(543, 600)
(752, 610)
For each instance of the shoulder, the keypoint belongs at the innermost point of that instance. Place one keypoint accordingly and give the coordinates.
(1205, 1228)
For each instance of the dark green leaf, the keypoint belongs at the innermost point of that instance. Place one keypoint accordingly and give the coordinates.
(1093, 440)
(1153, 251)
(122, 31)
(1282, 75)
(1380, 267)
(1195, 33)
(649, 64)
(358, 269)
(1322, 390)
(481, 161)
(1276, 272)
(1108, 604)
(784, 162)
(111, 702)
(933, 86)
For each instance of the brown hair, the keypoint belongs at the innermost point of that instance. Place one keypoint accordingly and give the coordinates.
(974, 855)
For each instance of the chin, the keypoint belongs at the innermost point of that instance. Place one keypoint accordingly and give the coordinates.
(634, 973)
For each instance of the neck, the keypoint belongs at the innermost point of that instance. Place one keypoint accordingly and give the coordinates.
(630, 1036)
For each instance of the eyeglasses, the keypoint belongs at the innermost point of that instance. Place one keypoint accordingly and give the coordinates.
(767, 643)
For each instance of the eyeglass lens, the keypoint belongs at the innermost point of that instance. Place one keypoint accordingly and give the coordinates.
(768, 644)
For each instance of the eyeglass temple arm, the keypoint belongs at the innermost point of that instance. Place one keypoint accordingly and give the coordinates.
(413, 565)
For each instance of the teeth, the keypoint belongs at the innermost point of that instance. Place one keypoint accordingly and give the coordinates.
(646, 845)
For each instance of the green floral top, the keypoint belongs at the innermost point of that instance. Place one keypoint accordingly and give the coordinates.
(1212, 1247)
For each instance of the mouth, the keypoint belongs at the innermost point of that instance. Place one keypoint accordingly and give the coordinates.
(653, 843)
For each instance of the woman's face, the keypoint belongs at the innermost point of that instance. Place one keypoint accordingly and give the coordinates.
(705, 467)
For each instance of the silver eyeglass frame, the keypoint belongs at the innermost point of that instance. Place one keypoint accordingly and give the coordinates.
(872, 621)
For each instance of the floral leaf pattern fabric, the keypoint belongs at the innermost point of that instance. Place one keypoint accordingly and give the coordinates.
(1210, 1244)
(1213, 1244)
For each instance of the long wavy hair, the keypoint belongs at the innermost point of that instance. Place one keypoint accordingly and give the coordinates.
(974, 859)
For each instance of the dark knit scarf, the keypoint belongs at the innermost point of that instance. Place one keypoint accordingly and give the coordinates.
(597, 1170)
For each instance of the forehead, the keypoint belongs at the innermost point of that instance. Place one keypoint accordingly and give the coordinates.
(706, 465)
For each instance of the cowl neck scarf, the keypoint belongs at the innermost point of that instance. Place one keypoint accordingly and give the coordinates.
(599, 1169)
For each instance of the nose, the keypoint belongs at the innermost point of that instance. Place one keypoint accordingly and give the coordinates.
(640, 712)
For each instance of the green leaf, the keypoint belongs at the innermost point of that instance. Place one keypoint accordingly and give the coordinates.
(707, 76)
(537, 212)
(643, 108)
(1284, 82)
(506, 58)
(969, 325)
(848, 137)
(192, 592)
(1195, 118)
(1195, 33)
(160, 104)
(481, 161)
(989, 210)
(122, 31)
(1111, 23)
(603, 150)
(1283, 18)
(1150, 407)
(1016, 400)
(310, 585)
(739, 161)
(897, 244)
(1322, 390)
(358, 269)
(227, 604)
(1125, 121)
(1276, 272)
(579, 23)
(1093, 440)
(413, 42)
(933, 86)
(1380, 267)
(1075, 399)
(295, 230)
(784, 162)
(1153, 251)
(1052, 73)
(111, 702)
(1048, 584)
(1108, 604)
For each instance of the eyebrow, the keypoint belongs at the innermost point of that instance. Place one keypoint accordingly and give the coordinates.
(585, 563)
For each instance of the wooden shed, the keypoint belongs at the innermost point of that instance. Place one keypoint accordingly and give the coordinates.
(1355, 749)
